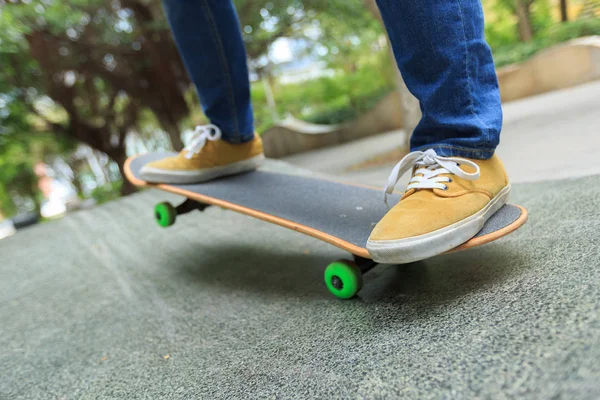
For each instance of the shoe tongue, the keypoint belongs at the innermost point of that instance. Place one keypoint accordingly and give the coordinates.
(423, 194)
(409, 193)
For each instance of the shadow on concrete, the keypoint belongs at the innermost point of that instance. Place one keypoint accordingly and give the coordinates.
(278, 272)
(425, 286)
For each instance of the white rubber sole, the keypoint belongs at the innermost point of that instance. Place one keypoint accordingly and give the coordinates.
(156, 175)
(417, 248)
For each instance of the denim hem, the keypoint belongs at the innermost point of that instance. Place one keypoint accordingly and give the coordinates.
(446, 150)
(238, 139)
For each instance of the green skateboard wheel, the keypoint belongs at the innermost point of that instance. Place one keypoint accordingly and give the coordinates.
(343, 279)
(165, 214)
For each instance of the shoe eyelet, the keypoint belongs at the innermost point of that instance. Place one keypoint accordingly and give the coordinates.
(449, 180)
(445, 188)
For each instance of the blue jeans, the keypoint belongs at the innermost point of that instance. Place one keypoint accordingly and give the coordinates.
(438, 44)
(207, 33)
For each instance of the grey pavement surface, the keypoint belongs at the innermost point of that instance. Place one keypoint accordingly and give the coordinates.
(552, 136)
(104, 304)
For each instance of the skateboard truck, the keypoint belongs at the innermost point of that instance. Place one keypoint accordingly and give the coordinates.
(165, 213)
(364, 264)
(190, 205)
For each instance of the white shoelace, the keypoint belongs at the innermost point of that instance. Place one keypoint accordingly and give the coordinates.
(202, 133)
(430, 166)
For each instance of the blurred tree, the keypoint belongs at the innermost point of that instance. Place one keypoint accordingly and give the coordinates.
(340, 32)
(124, 49)
(263, 22)
(98, 66)
(16, 168)
(18, 156)
(23, 140)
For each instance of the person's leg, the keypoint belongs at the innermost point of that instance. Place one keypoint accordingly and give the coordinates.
(209, 39)
(207, 33)
(457, 180)
(446, 63)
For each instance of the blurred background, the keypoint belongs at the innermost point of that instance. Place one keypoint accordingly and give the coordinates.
(85, 84)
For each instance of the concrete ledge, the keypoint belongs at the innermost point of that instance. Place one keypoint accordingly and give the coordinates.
(560, 67)
(294, 136)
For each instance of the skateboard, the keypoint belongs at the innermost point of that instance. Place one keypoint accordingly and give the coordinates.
(338, 213)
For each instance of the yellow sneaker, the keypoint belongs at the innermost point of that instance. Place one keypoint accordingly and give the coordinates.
(445, 204)
(206, 157)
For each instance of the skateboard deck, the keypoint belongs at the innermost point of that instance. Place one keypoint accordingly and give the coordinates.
(338, 213)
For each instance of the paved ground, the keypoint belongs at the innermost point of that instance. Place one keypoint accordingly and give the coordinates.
(104, 304)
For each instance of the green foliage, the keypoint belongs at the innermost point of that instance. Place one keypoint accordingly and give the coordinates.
(500, 23)
(93, 66)
(572, 30)
(17, 177)
(326, 100)
(541, 17)
(501, 20)
(502, 34)
(341, 33)
(329, 99)
(108, 192)
(349, 112)
(555, 34)
(265, 21)
(23, 141)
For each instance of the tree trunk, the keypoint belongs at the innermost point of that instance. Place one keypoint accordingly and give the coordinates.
(127, 187)
(99, 170)
(268, 85)
(119, 157)
(173, 131)
(75, 166)
(564, 15)
(524, 23)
